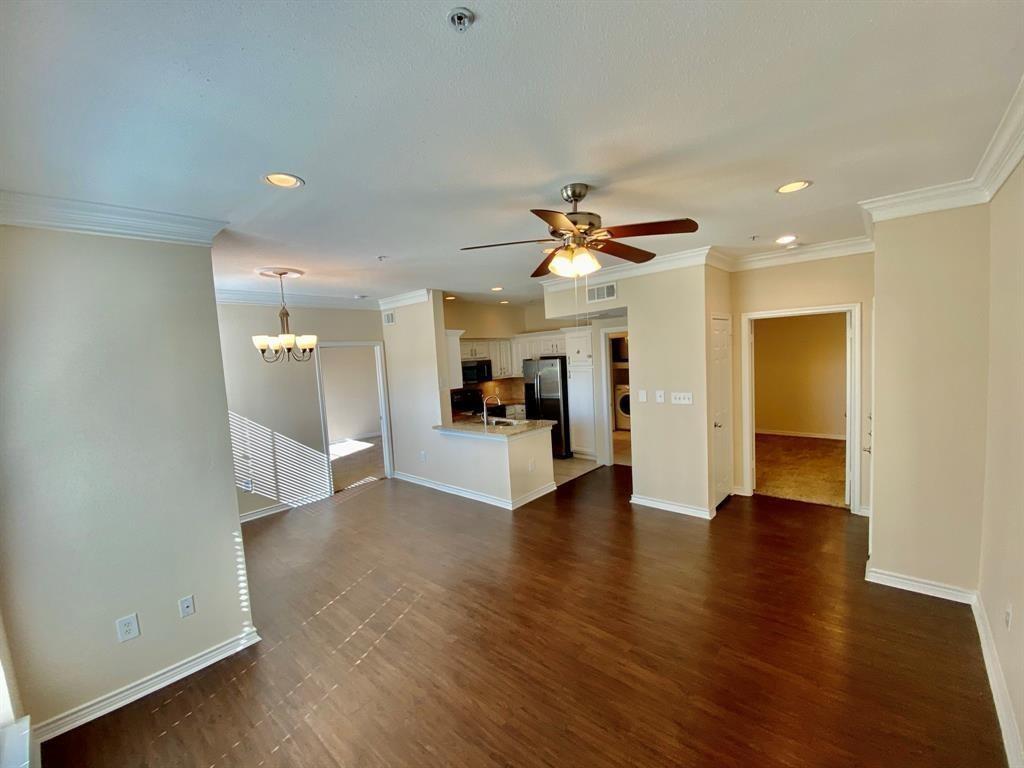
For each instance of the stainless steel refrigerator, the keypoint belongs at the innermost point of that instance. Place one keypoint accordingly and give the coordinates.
(547, 397)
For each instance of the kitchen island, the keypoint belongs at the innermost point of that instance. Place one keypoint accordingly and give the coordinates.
(506, 465)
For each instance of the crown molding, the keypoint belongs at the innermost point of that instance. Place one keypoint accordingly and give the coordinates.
(816, 252)
(23, 210)
(715, 258)
(404, 299)
(1002, 155)
(691, 258)
(273, 299)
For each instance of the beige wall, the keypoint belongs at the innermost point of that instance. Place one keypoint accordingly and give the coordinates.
(1002, 541)
(416, 350)
(535, 320)
(845, 280)
(282, 397)
(931, 288)
(350, 391)
(115, 466)
(800, 375)
(9, 701)
(484, 321)
(667, 342)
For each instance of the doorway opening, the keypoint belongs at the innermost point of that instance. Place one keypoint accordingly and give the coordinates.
(801, 399)
(613, 415)
(354, 413)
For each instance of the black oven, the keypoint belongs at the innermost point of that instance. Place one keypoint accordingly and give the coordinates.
(476, 371)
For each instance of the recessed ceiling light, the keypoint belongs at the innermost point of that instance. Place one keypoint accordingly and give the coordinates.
(503, 301)
(285, 180)
(449, 298)
(794, 186)
(786, 239)
(496, 288)
(791, 246)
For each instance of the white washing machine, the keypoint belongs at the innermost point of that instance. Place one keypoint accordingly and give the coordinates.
(622, 406)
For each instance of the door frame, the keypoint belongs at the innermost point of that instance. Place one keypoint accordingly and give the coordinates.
(382, 398)
(853, 390)
(607, 405)
(727, 316)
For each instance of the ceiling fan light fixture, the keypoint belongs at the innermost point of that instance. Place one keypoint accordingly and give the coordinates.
(561, 264)
(584, 263)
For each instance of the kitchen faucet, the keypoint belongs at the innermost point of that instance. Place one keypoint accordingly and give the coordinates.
(485, 406)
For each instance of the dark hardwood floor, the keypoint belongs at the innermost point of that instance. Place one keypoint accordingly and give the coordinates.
(406, 627)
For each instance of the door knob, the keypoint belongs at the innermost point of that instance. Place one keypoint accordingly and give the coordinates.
(717, 425)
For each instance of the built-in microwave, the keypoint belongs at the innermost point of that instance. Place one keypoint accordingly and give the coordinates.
(476, 371)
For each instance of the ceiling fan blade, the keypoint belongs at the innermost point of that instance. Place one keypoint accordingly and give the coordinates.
(514, 242)
(556, 220)
(621, 250)
(542, 269)
(673, 227)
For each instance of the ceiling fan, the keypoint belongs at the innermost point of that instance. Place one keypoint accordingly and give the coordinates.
(580, 232)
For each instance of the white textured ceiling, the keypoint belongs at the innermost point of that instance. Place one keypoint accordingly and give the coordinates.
(416, 140)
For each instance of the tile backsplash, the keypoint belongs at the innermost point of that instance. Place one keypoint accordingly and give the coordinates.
(509, 390)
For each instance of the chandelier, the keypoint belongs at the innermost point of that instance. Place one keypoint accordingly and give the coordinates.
(285, 345)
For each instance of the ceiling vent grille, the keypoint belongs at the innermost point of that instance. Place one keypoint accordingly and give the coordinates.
(389, 318)
(601, 293)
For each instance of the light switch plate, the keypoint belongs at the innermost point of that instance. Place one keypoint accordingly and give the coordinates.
(187, 606)
(659, 395)
(641, 395)
(682, 398)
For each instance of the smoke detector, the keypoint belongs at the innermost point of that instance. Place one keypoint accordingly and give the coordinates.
(461, 19)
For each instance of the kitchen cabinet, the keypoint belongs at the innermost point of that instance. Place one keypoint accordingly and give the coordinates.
(474, 349)
(582, 418)
(500, 352)
(454, 359)
(579, 348)
(552, 345)
(520, 351)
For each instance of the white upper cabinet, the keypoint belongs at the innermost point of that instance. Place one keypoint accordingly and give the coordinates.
(454, 360)
(474, 349)
(579, 348)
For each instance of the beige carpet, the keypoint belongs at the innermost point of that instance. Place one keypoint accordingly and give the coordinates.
(802, 468)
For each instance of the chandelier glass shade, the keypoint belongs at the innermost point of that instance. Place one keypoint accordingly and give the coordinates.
(573, 261)
(285, 345)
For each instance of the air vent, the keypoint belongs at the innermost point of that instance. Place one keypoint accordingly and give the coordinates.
(389, 318)
(601, 293)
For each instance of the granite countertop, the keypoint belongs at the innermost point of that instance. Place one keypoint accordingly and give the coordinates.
(492, 431)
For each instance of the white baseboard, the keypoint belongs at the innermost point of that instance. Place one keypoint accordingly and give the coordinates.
(584, 454)
(671, 506)
(129, 693)
(526, 498)
(486, 498)
(256, 514)
(739, 490)
(1000, 690)
(786, 433)
(367, 436)
(921, 586)
(864, 511)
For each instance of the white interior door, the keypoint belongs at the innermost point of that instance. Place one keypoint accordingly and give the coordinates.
(850, 458)
(721, 406)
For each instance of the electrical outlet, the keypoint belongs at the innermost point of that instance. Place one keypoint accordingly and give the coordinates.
(1009, 616)
(127, 627)
(423, 457)
(641, 395)
(659, 395)
(682, 398)
(187, 606)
